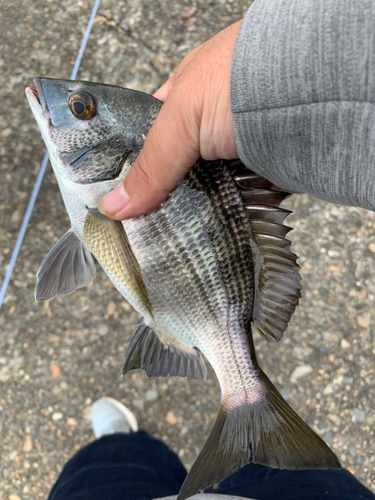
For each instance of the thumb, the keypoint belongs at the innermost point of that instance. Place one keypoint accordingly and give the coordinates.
(170, 149)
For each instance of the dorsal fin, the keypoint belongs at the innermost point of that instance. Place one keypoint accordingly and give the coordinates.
(277, 279)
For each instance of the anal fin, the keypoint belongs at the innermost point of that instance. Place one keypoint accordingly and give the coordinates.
(147, 351)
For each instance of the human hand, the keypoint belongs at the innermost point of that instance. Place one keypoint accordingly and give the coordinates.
(194, 121)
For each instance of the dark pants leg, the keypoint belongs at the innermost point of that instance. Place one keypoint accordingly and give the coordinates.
(120, 467)
(138, 467)
(264, 483)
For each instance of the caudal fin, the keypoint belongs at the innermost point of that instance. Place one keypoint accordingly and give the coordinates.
(267, 432)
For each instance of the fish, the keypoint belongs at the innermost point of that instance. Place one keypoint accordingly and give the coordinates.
(207, 269)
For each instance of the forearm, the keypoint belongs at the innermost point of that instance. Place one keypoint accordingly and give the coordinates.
(303, 96)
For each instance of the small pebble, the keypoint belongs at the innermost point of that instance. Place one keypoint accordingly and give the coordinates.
(170, 418)
(27, 444)
(138, 403)
(127, 306)
(328, 436)
(6, 133)
(55, 371)
(363, 320)
(334, 269)
(111, 308)
(344, 344)
(86, 413)
(328, 389)
(152, 395)
(300, 371)
(57, 416)
(53, 338)
(334, 418)
(358, 415)
(103, 330)
(159, 62)
(46, 309)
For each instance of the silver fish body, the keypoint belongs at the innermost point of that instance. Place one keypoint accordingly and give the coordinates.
(204, 269)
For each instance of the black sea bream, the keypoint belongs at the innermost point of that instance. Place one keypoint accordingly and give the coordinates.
(205, 269)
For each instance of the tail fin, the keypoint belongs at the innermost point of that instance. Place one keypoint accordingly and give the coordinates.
(267, 432)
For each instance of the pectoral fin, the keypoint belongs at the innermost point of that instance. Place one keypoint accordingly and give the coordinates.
(146, 351)
(68, 266)
(109, 244)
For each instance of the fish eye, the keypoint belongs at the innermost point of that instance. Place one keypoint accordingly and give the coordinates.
(83, 106)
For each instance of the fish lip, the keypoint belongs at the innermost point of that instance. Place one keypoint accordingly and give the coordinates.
(41, 98)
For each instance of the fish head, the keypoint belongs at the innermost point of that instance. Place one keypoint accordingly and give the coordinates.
(93, 133)
(91, 130)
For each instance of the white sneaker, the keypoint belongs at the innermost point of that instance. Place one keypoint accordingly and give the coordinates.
(109, 416)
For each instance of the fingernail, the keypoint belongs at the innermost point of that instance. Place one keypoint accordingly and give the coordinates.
(114, 201)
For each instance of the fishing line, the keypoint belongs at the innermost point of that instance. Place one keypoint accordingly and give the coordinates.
(42, 170)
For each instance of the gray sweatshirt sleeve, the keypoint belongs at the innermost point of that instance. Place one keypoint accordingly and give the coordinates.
(303, 96)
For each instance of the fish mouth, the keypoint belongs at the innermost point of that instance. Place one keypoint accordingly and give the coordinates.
(36, 96)
(35, 92)
(40, 96)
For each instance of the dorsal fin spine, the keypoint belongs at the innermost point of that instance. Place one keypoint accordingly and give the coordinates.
(276, 270)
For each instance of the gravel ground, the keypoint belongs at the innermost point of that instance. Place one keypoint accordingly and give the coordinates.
(58, 357)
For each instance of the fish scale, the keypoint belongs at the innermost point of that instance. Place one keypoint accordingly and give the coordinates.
(159, 239)
(206, 269)
(228, 248)
(159, 242)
